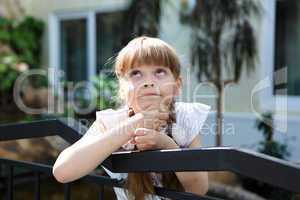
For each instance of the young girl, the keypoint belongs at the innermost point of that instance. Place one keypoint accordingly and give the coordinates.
(148, 71)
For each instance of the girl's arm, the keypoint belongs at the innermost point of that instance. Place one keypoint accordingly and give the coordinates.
(92, 149)
(194, 182)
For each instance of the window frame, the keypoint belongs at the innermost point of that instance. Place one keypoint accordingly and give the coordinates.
(54, 32)
(267, 43)
(55, 46)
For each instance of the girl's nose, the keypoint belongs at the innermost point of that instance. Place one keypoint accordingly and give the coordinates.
(148, 85)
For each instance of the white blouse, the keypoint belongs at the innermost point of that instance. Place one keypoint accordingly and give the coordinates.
(190, 118)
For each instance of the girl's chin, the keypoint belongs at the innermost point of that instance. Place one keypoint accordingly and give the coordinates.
(151, 103)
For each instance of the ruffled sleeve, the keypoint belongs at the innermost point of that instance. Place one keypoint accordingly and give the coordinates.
(190, 120)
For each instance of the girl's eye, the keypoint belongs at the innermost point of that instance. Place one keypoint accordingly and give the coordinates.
(135, 73)
(161, 72)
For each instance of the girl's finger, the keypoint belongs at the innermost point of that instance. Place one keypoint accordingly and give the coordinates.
(157, 115)
(132, 141)
(163, 116)
(141, 131)
(140, 139)
(137, 139)
(152, 108)
(142, 146)
(162, 123)
(158, 124)
(151, 114)
(144, 139)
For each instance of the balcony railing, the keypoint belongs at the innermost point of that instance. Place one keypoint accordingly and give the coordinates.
(258, 166)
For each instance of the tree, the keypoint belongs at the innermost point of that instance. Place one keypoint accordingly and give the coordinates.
(142, 18)
(223, 43)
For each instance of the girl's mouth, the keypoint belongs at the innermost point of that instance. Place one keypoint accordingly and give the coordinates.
(149, 94)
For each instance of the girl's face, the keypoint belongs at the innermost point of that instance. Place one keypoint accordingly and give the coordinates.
(150, 86)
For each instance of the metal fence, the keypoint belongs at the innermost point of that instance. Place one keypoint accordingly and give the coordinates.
(244, 162)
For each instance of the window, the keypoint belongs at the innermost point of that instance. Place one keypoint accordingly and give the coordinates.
(287, 43)
(108, 30)
(81, 43)
(73, 57)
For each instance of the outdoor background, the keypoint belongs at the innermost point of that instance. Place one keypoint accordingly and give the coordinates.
(257, 89)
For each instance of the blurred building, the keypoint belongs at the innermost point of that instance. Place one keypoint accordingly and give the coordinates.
(82, 34)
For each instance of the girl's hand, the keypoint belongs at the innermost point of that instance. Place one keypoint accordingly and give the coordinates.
(149, 139)
(155, 117)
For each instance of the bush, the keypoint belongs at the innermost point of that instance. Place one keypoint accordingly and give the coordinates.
(24, 39)
(9, 70)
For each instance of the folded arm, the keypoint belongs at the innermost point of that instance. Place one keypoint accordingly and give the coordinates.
(194, 182)
(92, 149)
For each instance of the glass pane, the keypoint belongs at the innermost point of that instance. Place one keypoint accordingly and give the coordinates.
(288, 42)
(109, 28)
(73, 55)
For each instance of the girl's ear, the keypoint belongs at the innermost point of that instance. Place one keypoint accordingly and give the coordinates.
(178, 86)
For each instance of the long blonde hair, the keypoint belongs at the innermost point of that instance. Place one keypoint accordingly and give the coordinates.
(148, 51)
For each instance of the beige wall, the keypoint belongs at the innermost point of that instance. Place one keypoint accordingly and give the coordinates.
(42, 9)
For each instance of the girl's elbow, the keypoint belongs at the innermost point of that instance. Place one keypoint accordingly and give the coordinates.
(65, 171)
(59, 170)
(201, 190)
(199, 186)
(204, 189)
(204, 184)
(59, 174)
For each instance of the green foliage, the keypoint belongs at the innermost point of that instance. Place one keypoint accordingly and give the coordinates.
(107, 91)
(274, 148)
(103, 91)
(8, 71)
(269, 146)
(265, 125)
(24, 38)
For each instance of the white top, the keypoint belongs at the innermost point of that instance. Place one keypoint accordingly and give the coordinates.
(190, 118)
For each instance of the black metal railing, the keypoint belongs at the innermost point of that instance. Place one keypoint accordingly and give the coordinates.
(258, 166)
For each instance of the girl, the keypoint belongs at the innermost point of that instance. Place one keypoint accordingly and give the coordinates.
(148, 71)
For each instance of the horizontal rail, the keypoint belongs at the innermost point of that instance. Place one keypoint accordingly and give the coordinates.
(68, 129)
(102, 180)
(258, 166)
(255, 165)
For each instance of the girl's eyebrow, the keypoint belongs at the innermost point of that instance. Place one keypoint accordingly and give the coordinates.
(138, 68)
(129, 71)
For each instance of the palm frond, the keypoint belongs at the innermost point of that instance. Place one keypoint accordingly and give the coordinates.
(217, 18)
(142, 18)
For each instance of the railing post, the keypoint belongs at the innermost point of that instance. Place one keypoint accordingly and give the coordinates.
(37, 187)
(101, 192)
(10, 183)
(67, 191)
